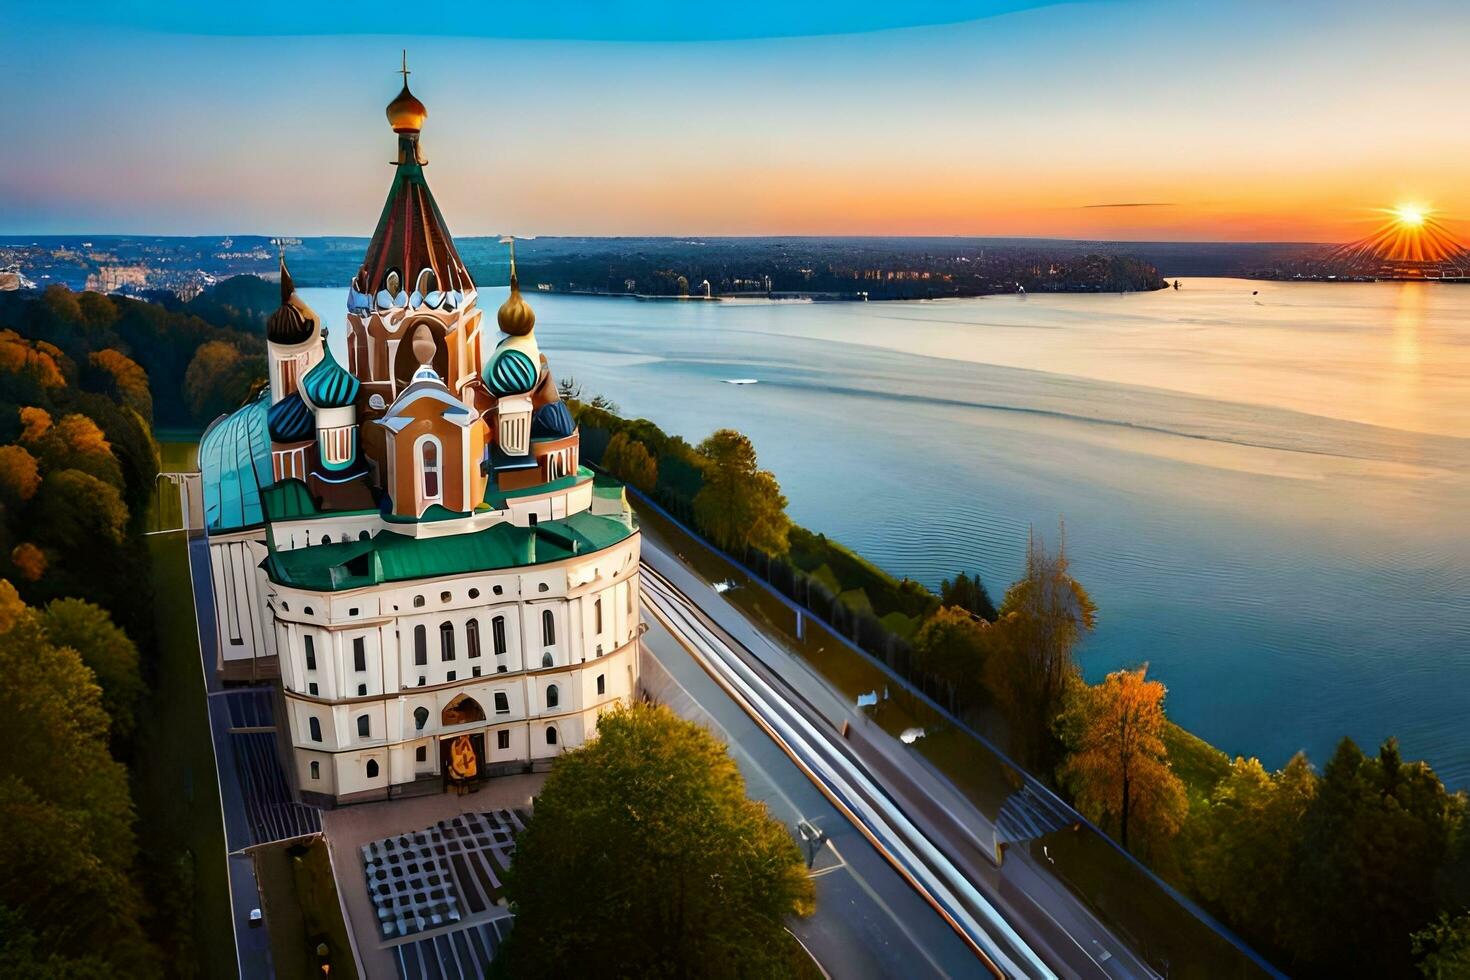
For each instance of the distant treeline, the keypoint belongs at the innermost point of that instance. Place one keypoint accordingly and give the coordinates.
(202, 358)
(1361, 869)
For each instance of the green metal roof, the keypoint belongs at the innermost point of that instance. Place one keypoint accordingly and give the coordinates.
(393, 557)
(290, 499)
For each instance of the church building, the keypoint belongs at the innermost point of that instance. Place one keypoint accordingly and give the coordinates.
(408, 541)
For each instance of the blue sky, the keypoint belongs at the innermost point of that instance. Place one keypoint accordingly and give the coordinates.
(1241, 120)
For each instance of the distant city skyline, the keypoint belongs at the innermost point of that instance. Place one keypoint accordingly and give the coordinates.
(1115, 120)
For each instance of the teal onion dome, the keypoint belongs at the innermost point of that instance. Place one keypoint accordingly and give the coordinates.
(329, 385)
(290, 420)
(510, 372)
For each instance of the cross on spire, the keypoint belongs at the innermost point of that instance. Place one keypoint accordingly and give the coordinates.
(404, 70)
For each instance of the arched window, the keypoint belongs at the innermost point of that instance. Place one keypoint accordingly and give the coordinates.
(597, 616)
(548, 628)
(546, 660)
(472, 637)
(550, 734)
(429, 485)
(446, 642)
(552, 696)
(420, 645)
(364, 726)
(420, 718)
(316, 770)
(315, 726)
(372, 769)
(497, 633)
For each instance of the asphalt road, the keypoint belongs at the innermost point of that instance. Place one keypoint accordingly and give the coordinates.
(1053, 923)
(868, 922)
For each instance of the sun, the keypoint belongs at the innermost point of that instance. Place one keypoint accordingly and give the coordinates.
(1410, 215)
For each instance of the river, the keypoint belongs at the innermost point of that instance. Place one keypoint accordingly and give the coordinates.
(1265, 486)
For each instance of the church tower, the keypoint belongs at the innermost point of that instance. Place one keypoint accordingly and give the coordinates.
(411, 279)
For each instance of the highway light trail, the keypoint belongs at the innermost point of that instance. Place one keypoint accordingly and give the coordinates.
(844, 782)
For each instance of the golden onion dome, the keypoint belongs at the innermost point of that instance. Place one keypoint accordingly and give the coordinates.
(406, 114)
(516, 316)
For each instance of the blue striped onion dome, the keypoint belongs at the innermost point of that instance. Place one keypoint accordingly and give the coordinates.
(552, 421)
(329, 385)
(510, 372)
(290, 420)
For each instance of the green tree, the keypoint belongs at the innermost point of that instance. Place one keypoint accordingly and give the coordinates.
(740, 505)
(1030, 668)
(968, 593)
(629, 460)
(80, 512)
(1118, 770)
(951, 645)
(1443, 948)
(644, 858)
(1373, 844)
(68, 846)
(106, 650)
(1243, 845)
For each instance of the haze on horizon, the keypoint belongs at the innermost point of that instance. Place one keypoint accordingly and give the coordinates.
(1129, 119)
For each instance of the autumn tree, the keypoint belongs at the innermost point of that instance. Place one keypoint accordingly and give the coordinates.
(951, 645)
(219, 379)
(20, 475)
(1118, 769)
(1031, 664)
(128, 380)
(970, 593)
(645, 858)
(629, 460)
(740, 505)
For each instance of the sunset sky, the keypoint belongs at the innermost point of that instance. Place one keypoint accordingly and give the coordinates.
(1118, 119)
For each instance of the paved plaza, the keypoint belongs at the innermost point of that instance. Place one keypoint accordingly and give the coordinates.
(435, 877)
(420, 879)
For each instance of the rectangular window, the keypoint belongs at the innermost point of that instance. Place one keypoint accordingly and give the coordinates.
(449, 677)
(359, 654)
(502, 740)
(502, 703)
(311, 689)
(364, 726)
(420, 646)
(362, 690)
(497, 632)
(601, 684)
(310, 645)
(422, 754)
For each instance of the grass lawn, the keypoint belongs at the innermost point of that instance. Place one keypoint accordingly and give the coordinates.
(301, 908)
(1197, 763)
(174, 783)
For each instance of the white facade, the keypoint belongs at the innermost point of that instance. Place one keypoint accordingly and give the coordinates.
(367, 674)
